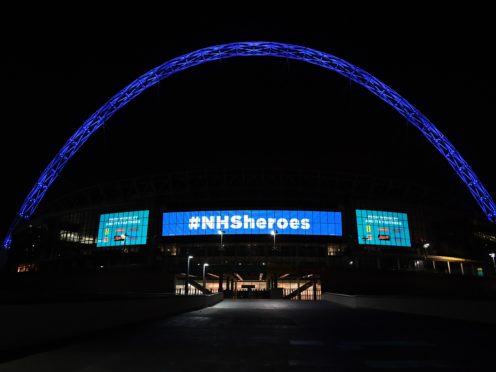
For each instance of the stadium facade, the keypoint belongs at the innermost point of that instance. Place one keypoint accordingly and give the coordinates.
(262, 232)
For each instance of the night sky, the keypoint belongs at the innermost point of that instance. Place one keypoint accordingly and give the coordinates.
(253, 113)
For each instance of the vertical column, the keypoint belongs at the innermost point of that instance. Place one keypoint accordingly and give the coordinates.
(449, 267)
(461, 267)
(221, 282)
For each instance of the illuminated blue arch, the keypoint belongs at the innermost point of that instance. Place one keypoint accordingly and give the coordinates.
(253, 49)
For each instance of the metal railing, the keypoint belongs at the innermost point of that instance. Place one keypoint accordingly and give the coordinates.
(306, 295)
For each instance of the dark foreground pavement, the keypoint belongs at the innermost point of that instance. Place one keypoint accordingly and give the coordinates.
(278, 335)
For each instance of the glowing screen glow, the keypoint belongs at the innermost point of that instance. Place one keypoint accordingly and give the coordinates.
(252, 222)
(382, 228)
(124, 228)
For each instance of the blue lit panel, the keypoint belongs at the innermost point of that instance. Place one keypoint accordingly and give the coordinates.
(256, 222)
(382, 228)
(124, 228)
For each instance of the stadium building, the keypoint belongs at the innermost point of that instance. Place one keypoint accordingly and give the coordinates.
(277, 233)
(263, 233)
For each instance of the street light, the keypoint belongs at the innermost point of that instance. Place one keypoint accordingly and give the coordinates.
(274, 234)
(426, 246)
(204, 282)
(221, 233)
(492, 254)
(186, 288)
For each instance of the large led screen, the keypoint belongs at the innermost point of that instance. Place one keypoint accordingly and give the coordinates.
(382, 228)
(124, 228)
(252, 222)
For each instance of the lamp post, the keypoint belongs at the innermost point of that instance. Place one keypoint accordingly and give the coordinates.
(426, 246)
(492, 255)
(274, 234)
(186, 287)
(221, 233)
(204, 282)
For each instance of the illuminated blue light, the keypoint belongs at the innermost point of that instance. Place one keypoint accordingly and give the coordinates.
(382, 228)
(253, 49)
(255, 222)
(124, 228)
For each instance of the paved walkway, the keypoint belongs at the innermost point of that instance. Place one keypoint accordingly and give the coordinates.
(277, 335)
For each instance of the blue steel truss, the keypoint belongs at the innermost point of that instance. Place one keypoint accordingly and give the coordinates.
(253, 49)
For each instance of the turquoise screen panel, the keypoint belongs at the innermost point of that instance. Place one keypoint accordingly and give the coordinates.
(123, 228)
(382, 228)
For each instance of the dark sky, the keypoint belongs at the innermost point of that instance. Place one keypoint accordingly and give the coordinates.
(259, 112)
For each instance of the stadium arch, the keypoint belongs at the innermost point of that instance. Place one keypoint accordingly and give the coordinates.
(253, 49)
